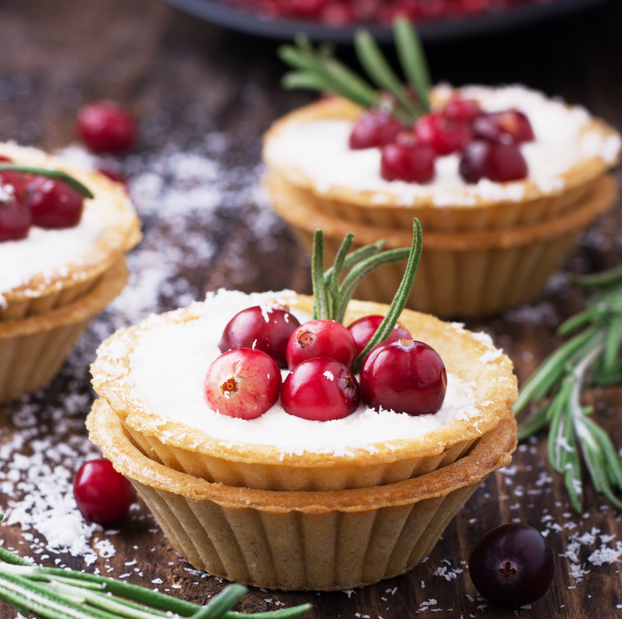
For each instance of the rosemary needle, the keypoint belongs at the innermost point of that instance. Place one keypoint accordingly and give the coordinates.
(590, 357)
(53, 593)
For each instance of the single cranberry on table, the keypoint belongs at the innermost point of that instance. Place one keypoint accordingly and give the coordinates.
(509, 127)
(493, 160)
(512, 565)
(363, 329)
(375, 127)
(262, 327)
(445, 135)
(102, 494)
(407, 160)
(320, 338)
(406, 376)
(242, 383)
(107, 127)
(320, 389)
(52, 203)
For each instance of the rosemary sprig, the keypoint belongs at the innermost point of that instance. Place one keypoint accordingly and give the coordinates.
(320, 70)
(53, 593)
(590, 357)
(59, 175)
(332, 292)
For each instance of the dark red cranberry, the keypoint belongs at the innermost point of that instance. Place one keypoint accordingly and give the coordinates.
(375, 127)
(404, 376)
(320, 338)
(337, 14)
(52, 203)
(407, 160)
(102, 495)
(15, 216)
(443, 134)
(363, 329)
(462, 110)
(242, 383)
(320, 389)
(509, 127)
(512, 565)
(14, 179)
(107, 127)
(493, 160)
(262, 327)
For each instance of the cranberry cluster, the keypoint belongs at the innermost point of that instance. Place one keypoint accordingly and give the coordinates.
(29, 200)
(486, 142)
(344, 12)
(399, 374)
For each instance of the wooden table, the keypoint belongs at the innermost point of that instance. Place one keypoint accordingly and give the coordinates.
(197, 87)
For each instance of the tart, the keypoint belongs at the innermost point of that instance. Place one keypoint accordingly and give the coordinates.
(468, 274)
(324, 541)
(308, 150)
(151, 375)
(54, 268)
(33, 349)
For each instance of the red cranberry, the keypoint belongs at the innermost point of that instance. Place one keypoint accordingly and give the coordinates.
(14, 179)
(375, 127)
(363, 329)
(493, 160)
(404, 376)
(510, 127)
(262, 327)
(462, 110)
(320, 389)
(443, 134)
(512, 565)
(53, 204)
(102, 495)
(337, 14)
(107, 127)
(15, 216)
(407, 160)
(242, 383)
(320, 338)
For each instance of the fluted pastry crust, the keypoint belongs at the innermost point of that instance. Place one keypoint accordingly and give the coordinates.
(302, 540)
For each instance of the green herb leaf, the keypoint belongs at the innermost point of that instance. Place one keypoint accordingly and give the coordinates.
(412, 59)
(70, 181)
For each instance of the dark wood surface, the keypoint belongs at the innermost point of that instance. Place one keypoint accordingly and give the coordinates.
(187, 81)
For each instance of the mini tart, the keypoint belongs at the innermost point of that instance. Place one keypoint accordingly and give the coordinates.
(470, 208)
(302, 540)
(33, 349)
(53, 288)
(466, 274)
(263, 466)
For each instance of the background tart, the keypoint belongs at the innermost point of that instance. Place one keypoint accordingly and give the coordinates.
(109, 229)
(269, 465)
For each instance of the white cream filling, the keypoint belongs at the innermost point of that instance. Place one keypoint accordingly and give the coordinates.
(319, 149)
(48, 252)
(169, 363)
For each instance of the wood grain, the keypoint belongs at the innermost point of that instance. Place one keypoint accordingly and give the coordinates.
(186, 79)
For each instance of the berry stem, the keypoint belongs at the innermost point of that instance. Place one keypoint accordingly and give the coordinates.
(399, 301)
